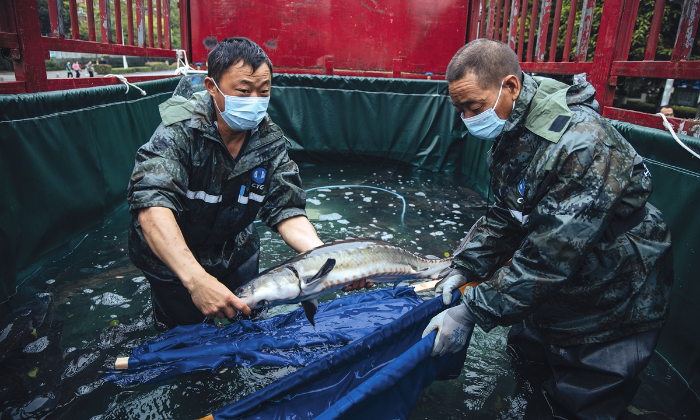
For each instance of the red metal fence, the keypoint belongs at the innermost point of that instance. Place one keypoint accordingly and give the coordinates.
(381, 38)
(506, 20)
(21, 39)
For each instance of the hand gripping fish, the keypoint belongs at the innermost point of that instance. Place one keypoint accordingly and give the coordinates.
(333, 266)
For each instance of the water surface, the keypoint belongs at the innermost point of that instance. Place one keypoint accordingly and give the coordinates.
(102, 310)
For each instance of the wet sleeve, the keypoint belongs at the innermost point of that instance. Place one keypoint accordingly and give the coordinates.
(490, 242)
(160, 177)
(286, 197)
(562, 230)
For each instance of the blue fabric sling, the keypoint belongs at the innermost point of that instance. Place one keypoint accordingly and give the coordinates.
(365, 352)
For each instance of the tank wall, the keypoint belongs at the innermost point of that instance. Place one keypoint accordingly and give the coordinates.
(65, 160)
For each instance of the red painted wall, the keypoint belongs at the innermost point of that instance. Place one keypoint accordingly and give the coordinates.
(359, 34)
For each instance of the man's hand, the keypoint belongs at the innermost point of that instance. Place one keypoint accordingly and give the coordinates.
(214, 299)
(359, 284)
(165, 239)
(454, 330)
(452, 281)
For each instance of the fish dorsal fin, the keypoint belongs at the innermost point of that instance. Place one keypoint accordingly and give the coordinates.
(310, 309)
(327, 267)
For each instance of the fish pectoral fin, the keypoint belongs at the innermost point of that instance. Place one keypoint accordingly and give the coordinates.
(310, 309)
(325, 269)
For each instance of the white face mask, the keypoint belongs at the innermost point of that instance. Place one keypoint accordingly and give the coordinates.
(243, 113)
(487, 125)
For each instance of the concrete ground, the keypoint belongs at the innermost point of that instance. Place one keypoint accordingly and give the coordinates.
(7, 76)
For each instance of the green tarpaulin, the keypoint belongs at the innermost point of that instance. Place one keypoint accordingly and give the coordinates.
(65, 158)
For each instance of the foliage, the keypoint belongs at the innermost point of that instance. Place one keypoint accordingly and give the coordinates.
(684, 111)
(118, 70)
(102, 68)
(159, 67)
(52, 65)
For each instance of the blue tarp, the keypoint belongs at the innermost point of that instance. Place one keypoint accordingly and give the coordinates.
(364, 356)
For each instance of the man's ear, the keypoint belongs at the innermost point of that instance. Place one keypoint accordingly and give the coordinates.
(512, 86)
(211, 87)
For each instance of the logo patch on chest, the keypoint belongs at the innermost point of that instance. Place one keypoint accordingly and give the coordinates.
(259, 175)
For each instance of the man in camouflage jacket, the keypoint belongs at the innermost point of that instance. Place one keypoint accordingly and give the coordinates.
(215, 163)
(588, 286)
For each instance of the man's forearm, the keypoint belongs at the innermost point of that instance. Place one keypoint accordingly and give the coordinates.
(165, 239)
(299, 234)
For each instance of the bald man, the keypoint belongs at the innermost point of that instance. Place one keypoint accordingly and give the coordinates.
(588, 288)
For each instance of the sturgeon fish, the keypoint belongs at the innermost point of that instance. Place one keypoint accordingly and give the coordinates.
(333, 266)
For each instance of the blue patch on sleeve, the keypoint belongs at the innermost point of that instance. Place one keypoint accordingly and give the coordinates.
(521, 187)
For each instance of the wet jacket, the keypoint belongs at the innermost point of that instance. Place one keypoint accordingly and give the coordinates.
(215, 198)
(561, 176)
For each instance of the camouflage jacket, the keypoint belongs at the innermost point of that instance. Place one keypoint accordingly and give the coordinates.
(560, 174)
(215, 198)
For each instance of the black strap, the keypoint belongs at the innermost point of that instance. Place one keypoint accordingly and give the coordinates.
(618, 227)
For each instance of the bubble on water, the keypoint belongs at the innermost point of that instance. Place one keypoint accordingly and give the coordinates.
(77, 365)
(455, 205)
(418, 248)
(126, 305)
(50, 281)
(387, 237)
(322, 195)
(411, 205)
(438, 220)
(110, 299)
(38, 346)
(324, 190)
(343, 222)
(138, 279)
(313, 201)
(417, 231)
(348, 193)
(431, 226)
(367, 199)
(420, 194)
(456, 212)
(438, 233)
(332, 216)
(87, 291)
(104, 266)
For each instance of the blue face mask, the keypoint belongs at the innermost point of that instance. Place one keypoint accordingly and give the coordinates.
(243, 113)
(487, 125)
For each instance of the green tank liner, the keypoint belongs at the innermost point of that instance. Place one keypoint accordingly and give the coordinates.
(65, 159)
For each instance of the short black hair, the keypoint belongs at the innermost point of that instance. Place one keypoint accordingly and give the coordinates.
(231, 51)
(491, 61)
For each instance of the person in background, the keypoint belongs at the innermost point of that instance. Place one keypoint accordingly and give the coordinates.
(667, 111)
(68, 70)
(588, 286)
(77, 68)
(215, 163)
(90, 69)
